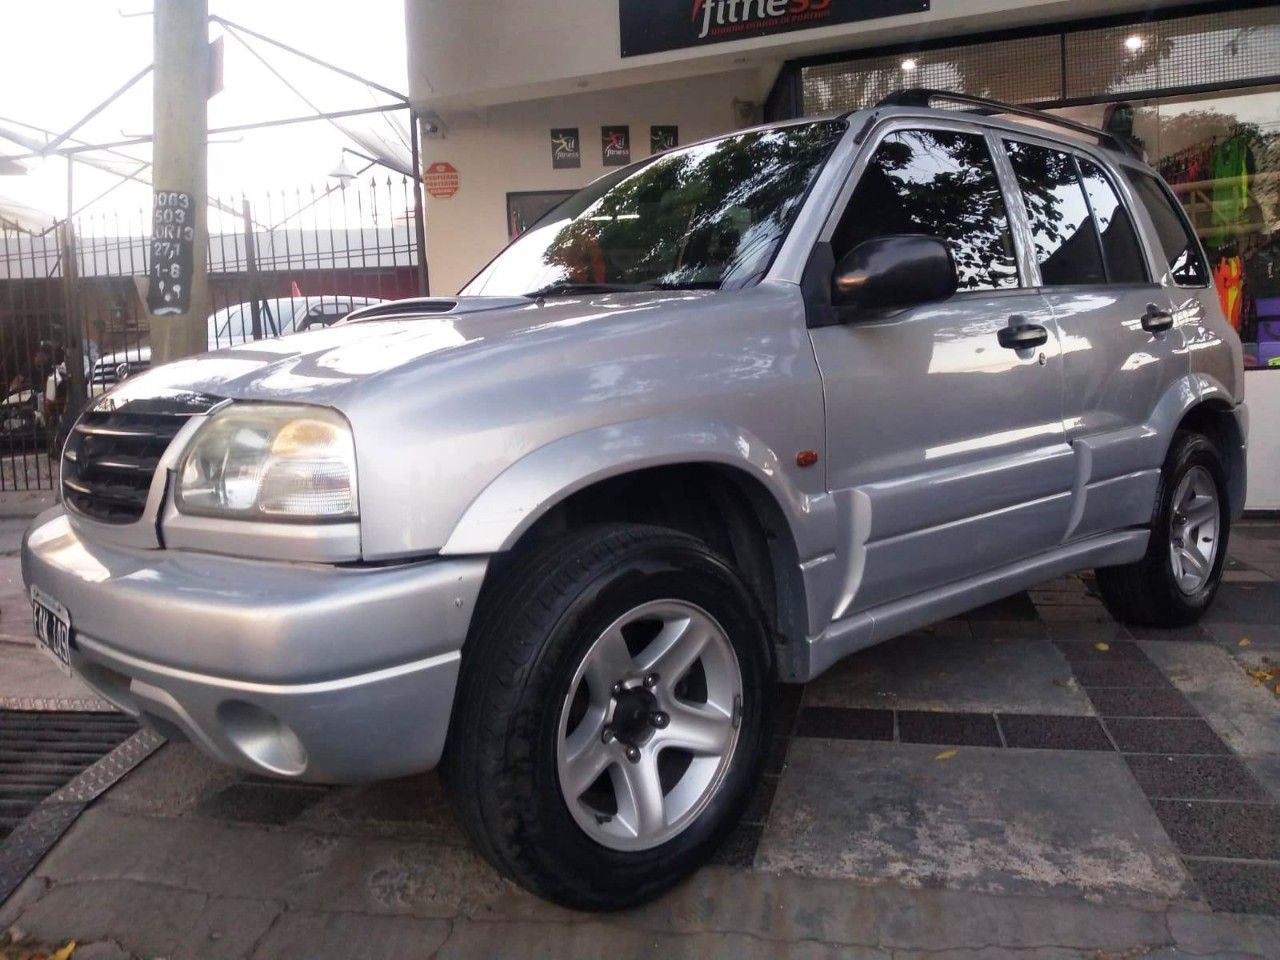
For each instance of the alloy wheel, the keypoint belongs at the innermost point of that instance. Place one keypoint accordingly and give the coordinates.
(649, 725)
(1194, 530)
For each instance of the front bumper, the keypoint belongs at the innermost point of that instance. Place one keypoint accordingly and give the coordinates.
(306, 671)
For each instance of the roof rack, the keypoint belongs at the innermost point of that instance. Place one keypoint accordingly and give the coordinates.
(923, 97)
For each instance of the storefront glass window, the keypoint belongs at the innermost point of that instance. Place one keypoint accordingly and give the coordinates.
(1221, 157)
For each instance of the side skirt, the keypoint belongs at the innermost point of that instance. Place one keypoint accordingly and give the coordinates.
(869, 627)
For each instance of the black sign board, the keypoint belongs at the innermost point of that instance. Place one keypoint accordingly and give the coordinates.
(173, 241)
(663, 138)
(615, 146)
(566, 148)
(651, 26)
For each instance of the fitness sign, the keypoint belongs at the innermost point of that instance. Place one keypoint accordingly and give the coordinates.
(651, 26)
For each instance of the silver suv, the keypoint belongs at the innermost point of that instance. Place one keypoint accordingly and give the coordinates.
(721, 419)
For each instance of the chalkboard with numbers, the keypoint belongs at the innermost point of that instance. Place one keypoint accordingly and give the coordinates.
(173, 240)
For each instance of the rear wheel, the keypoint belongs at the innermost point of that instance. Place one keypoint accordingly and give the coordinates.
(1175, 582)
(610, 715)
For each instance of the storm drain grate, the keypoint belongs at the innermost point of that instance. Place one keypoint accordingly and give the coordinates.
(42, 751)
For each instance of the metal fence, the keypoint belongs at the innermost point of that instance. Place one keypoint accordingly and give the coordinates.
(73, 316)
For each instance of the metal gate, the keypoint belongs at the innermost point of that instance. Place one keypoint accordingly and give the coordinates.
(73, 317)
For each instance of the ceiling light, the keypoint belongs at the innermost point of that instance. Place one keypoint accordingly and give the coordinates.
(1134, 43)
(908, 65)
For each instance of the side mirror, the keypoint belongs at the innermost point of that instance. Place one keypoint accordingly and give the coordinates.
(894, 272)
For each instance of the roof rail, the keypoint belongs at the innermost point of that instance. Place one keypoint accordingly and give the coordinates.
(923, 97)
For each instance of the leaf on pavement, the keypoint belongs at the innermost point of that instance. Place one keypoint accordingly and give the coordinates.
(945, 755)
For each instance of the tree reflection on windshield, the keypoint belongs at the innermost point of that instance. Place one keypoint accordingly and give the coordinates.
(709, 215)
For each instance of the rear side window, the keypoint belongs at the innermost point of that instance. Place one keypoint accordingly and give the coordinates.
(1181, 249)
(1119, 239)
(1067, 246)
(942, 184)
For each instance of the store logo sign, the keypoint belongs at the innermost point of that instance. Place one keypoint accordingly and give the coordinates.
(566, 148)
(651, 26)
(615, 146)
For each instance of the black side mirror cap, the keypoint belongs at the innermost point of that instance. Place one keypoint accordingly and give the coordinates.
(894, 272)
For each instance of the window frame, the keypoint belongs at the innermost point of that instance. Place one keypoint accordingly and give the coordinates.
(1151, 257)
(897, 124)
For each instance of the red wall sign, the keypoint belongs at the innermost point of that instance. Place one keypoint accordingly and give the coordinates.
(442, 180)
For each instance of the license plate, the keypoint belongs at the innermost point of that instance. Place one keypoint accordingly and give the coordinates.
(53, 628)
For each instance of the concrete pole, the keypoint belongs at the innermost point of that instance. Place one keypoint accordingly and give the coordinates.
(181, 157)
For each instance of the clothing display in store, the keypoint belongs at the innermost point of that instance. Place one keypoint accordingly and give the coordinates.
(1228, 275)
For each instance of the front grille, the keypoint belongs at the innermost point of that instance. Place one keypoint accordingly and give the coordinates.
(113, 451)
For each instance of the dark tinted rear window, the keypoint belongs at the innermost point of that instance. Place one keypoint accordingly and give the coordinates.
(1119, 239)
(1181, 249)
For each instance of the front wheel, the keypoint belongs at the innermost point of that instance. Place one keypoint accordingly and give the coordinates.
(610, 715)
(1175, 582)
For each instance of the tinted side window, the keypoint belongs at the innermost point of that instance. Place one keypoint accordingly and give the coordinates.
(1119, 239)
(1067, 246)
(1181, 250)
(942, 184)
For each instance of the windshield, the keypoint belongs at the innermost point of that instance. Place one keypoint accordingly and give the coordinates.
(705, 216)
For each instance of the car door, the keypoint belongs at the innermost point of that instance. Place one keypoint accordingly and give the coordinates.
(1115, 319)
(945, 450)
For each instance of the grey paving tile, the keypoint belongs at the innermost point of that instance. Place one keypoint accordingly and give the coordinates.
(1228, 633)
(1120, 674)
(739, 847)
(1092, 613)
(1030, 732)
(1245, 714)
(1140, 702)
(1017, 607)
(1008, 629)
(1267, 770)
(254, 801)
(953, 729)
(840, 723)
(1193, 633)
(1195, 778)
(1246, 603)
(999, 821)
(1164, 736)
(1235, 887)
(1087, 630)
(963, 674)
(1100, 651)
(1240, 831)
(351, 936)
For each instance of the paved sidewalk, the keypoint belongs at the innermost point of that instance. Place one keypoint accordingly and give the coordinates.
(1033, 779)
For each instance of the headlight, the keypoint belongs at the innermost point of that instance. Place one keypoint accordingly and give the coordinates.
(261, 462)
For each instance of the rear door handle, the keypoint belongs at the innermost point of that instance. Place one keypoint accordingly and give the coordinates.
(1156, 320)
(1020, 335)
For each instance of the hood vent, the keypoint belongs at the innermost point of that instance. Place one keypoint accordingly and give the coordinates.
(434, 306)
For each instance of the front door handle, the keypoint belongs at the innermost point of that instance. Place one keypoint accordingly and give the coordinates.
(1156, 320)
(1020, 335)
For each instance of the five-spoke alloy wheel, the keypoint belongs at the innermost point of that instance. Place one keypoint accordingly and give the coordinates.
(645, 738)
(610, 717)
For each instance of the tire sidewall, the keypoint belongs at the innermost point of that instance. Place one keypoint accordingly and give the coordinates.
(673, 568)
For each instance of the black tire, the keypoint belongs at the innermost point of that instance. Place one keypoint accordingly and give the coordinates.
(533, 627)
(1146, 593)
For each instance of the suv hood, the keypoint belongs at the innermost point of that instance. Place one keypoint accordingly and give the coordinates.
(334, 365)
